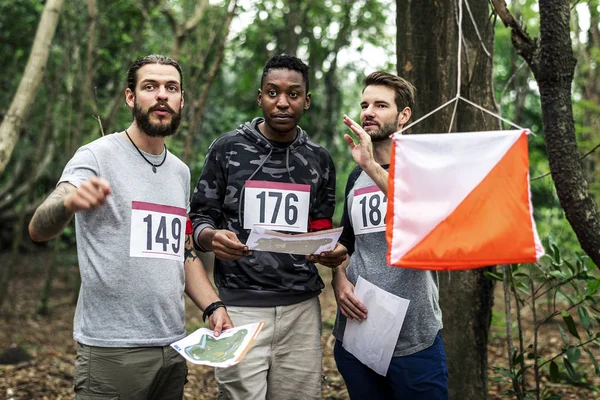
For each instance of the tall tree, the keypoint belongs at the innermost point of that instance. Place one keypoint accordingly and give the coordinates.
(427, 46)
(13, 120)
(552, 62)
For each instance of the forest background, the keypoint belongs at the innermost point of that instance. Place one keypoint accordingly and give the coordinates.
(222, 46)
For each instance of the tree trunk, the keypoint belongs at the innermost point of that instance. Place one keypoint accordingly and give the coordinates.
(427, 44)
(9, 129)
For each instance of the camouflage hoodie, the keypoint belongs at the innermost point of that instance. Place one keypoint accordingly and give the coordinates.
(264, 278)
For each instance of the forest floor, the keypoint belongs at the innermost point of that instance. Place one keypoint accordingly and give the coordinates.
(48, 339)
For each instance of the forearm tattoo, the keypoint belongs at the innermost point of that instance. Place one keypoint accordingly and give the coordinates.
(189, 252)
(52, 216)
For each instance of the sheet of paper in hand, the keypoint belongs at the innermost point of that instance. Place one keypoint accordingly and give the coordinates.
(304, 243)
(373, 340)
(229, 348)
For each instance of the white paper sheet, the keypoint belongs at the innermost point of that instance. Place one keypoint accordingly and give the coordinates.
(305, 243)
(202, 347)
(373, 340)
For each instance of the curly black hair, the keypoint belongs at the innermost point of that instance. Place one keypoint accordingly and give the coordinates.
(286, 61)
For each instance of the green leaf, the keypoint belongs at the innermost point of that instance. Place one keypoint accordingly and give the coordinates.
(584, 317)
(493, 276)
(558, 274)
(573, 354)
(556, 254)
(563, 335)
(554, 373)
(570, 324)
(570, 370)
(571, 267)
(522, 371)
(504, 372)
(517, 359)
(592, 287)
(596, 367)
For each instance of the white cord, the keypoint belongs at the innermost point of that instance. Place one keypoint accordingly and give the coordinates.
(477, 30)
(459, 78)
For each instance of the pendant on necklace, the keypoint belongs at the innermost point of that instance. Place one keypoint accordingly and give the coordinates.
(153, 169)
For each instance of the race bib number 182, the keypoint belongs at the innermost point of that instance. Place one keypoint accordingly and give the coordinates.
(277, 206)
(369, 209)
(157, 231)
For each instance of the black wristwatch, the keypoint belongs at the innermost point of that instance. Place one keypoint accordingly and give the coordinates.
(211, 309)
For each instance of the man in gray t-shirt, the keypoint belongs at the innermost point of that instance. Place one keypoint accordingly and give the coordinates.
(130, 198)
(418, 366)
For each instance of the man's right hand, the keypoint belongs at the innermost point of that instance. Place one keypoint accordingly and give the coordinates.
(89, 195)
(349, 305)
(226, 246)
(56, 211)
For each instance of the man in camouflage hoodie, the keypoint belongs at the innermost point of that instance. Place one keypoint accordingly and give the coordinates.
(268, 172)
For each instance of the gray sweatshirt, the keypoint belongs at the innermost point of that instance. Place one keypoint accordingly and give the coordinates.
(364, 236)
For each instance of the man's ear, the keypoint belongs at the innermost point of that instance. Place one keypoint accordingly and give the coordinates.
(182, 100)
(404, 116)
(307, 101)
(259, 98)
(129, 98)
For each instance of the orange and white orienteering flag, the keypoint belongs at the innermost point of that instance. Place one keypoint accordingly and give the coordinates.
(460, 201)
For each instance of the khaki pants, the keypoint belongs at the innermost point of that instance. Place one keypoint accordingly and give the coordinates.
(103, 373)
(284, 362)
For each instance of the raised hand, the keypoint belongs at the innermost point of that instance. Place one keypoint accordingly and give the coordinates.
(362, 152)
(91, 194)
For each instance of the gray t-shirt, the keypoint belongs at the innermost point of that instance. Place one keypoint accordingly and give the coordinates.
(129, 301)
(423, 318)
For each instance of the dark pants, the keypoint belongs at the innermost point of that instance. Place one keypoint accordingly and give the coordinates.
(129, 373)
(419, 376)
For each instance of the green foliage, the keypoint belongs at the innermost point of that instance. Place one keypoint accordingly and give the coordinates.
(326, 34)
(563, 293)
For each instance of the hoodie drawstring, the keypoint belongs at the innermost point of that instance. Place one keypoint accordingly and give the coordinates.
(287, 164)
(242, 190)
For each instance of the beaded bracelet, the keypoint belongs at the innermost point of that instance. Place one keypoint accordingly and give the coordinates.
(211, 309)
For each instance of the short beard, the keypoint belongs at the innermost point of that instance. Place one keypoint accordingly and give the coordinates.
(384, 132)
(142, 120)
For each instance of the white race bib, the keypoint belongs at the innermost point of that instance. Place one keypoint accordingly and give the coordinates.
(276, 206)
(157, 231)
(369, 209)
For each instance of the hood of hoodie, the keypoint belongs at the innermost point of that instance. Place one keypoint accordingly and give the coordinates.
(250, 131)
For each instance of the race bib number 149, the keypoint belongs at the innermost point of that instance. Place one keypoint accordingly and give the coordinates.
(157, 231)
(277, 206)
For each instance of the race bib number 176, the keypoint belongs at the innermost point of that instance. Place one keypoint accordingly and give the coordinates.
(157, 231)
(277, 206)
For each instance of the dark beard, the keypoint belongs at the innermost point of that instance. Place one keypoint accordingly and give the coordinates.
(383, 133)
(142, 119)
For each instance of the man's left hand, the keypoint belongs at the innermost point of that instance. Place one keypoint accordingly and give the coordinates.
(331, 258)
